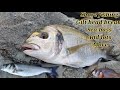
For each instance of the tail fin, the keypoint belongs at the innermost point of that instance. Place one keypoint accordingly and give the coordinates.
(113, 57)
(110, 57)
(53, 73)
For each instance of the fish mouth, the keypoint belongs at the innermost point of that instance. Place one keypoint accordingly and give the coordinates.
(30, 46)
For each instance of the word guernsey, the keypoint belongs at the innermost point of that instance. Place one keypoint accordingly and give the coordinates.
(97, 22)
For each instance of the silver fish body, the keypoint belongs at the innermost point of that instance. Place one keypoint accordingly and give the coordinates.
(24, 70)
(63, 45)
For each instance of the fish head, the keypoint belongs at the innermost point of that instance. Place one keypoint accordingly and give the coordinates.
(98, 73)
(8, 68)
(44, 44)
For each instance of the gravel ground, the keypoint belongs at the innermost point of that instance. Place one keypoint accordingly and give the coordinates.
(16, 27)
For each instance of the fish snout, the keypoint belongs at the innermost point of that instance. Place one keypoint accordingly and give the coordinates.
(30, 47)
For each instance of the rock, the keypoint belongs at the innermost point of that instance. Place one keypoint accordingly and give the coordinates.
(73, 73)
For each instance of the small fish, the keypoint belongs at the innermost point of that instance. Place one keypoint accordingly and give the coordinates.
(63, 45)
(27, 70)
(105, 73)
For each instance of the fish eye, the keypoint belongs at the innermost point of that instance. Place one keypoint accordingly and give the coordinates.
(44, 35)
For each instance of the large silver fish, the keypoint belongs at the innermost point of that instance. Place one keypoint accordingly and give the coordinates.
(64, 45)
(27, 70)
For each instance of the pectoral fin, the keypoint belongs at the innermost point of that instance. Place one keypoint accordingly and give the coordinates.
(74, 49)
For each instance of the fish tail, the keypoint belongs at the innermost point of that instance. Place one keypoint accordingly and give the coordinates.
(53, 73)
(107, 59)
(113, 57)
(109, 56)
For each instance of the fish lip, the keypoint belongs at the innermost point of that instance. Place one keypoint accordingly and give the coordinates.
(30, 46)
